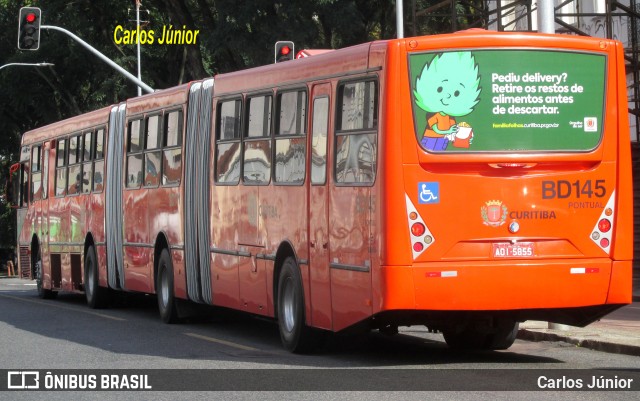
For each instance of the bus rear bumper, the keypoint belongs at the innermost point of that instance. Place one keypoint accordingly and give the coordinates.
(575, 292)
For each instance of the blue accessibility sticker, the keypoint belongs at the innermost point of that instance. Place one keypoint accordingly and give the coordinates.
(429, 192)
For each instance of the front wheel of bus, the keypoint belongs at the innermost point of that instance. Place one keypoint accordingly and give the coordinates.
(97, 297)
(164, 289)
(296, 336)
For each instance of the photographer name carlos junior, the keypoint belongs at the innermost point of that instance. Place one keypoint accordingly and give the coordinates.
(595, 382)
(170, 36)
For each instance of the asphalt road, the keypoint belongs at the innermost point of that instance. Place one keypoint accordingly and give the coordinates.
(240, 357)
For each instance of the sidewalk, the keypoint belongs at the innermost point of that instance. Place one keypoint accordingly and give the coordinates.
(611, 334)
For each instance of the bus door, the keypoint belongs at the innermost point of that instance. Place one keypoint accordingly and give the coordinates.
(44, 203)
(351, 232)
(36, 194)
(320, 277)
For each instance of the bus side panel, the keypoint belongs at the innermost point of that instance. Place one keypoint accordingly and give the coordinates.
(225, 232)
(179, 281)
(95, 225)
(103, 278)
(137, 251)
(252, 280)
(282, 217)
(391, 208)
(349, 249)
(623, 245)
(164, 219)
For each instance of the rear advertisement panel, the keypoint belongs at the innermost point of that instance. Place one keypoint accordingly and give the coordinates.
(508, 100)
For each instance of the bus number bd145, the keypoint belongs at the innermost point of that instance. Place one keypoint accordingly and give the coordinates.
(563, 189)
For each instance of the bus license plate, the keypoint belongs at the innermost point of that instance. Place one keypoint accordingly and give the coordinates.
(517, 250)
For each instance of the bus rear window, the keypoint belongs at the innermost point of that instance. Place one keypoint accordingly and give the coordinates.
(507, 100)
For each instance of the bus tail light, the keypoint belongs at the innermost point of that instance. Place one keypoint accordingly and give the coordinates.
(421, 237)
(417, 229)
(602, 232)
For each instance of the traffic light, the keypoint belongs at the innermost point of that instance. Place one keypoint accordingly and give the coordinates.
(284, 51)
(29, 28)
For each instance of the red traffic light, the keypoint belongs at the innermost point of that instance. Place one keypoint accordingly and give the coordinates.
(284, 51)
(29, 21)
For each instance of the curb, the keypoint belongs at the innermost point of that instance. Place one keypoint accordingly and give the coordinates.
(596, 345)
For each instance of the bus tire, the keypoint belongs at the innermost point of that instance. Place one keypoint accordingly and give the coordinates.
(295, 335)
(505, 335)
(466, 338)
(470, 338)
(43, 293)
(164, 289)
(97, 297)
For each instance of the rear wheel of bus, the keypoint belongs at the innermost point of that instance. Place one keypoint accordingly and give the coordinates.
(471, 337)
(296, 336)
(164, 289)
(97, 297)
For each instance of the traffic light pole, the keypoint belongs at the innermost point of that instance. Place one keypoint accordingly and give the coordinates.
(104, 58)
(138, 46)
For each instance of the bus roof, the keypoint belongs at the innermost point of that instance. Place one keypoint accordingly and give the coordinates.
(340, 62)
(73, 124)
(159, 99)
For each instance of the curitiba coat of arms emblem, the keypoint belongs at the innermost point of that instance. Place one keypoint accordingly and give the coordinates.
(494, 213)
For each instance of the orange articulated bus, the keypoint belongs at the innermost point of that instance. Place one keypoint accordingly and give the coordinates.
(466, 182)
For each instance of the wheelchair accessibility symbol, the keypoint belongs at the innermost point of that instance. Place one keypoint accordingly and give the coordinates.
(429, 192)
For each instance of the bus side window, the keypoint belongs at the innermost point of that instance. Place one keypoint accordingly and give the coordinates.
(87, 165)
(290, 140)
(61, 167)
(257, 141)
(98, 164)
(75, 168)
(24, 185)
(356, 133)
(152, 145)
(172, 148)
(319, 141)
(36, 173)
(227, 170)
(134, 154)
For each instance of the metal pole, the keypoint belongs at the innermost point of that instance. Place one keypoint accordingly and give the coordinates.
(399, 19)
(546, 16)
(26, 64)
(138, 36)
(102, 57)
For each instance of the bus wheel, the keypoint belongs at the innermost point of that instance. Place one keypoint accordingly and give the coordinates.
(505, 335)
(467, 338)
(42, 292)
(296, 336)
(471, 338)
(164, 289)
(97, 297)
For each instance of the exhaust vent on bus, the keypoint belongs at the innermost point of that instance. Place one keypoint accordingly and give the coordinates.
(421, 237)
(601, 233)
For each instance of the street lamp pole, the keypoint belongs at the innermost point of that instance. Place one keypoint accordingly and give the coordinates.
(27, 65)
